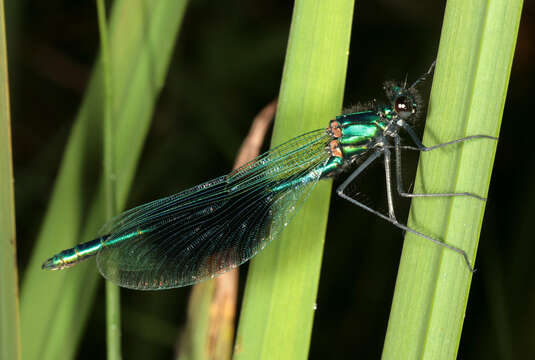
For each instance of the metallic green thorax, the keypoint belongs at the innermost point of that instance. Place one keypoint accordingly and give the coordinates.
(353, 135)
(358, 131)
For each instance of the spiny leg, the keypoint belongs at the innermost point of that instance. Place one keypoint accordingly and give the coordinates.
(358, 170)
(388, 177)
(350, 178)
(421, 147)
(402, 192)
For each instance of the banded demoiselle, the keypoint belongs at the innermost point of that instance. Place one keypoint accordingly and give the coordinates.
(213, 227)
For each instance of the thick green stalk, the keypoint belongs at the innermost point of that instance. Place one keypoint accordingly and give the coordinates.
(278, 307)
(55, 305)
(9, 288)
(468, 96)
(113, 295)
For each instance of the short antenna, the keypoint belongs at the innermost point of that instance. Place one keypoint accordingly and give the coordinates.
(425, 75)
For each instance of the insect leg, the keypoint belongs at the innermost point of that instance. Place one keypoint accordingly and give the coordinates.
(400, 187)
(422, 147)
(364, 165)
(388, 177)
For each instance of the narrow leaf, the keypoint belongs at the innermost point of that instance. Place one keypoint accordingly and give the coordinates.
(9, 288)
(278, 307)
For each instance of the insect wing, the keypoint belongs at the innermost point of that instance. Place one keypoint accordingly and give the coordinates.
(213, 227)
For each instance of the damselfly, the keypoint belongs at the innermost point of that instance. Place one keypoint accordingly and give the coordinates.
(216, 226)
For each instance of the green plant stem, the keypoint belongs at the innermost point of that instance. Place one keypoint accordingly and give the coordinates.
(113, 321)
(280, 295)
(467, 98)
(113, 294)
(10, 346)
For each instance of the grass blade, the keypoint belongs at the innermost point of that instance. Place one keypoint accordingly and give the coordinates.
(9, 287)
(468, 96)
(280, 295)
(142, 35)
(113, 299)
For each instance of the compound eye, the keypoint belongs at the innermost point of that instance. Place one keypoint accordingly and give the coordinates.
(404, 107)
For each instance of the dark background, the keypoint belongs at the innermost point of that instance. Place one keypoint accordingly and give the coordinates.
(226, 66)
